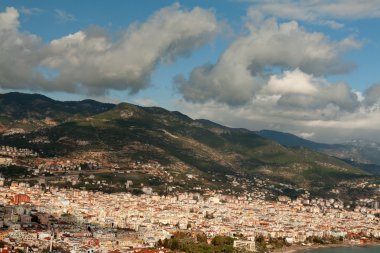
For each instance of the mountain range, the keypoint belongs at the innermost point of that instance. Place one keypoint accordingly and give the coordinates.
(210, 152)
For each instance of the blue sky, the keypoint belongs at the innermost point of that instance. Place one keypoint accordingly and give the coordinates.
(223, 60)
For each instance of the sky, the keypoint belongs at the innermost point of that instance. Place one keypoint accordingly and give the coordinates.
(305, 67)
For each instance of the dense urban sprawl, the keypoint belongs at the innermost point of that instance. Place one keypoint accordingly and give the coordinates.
(34, 219)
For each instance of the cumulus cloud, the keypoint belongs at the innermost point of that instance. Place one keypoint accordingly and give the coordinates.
(311, 99)
(274, 77)
(301, 91)
(303, 104)
(247, 64)
(92, 62)
(293, 82)
(372, 96)
(326, 124)
(19, 53)
(9, 19)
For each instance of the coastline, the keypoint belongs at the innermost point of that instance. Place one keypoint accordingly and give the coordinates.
(302, 248)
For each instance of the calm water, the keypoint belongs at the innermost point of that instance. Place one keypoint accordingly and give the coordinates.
(375, 249)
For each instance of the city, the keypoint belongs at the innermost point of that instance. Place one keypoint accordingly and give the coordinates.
(82, 221)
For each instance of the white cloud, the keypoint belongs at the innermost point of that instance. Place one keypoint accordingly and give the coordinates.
(317, 9)
(246, 65)
(9, 19)
(30, 11)
(90, 61)
(347, 9)
(306, 135)
(274, 77)
(312, 108)
(327, 124)
(329, 102)
(20, 53)
(64, 17)
(292, 82)
(372, 96)
(320, 12)
(331, 23)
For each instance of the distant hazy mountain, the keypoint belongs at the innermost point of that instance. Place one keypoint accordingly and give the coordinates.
(360, 153)
(292, 140)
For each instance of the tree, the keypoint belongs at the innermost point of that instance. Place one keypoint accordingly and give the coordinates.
(165, 243)
(202, 238)
(222, 240)
(174, 244)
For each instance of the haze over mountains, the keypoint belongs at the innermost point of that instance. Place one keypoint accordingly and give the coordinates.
(360, 153)
(208, 151)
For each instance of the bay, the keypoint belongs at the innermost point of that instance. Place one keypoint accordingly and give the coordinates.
(367, 249)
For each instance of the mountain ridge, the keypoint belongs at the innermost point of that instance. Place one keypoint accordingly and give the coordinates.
(127, 132)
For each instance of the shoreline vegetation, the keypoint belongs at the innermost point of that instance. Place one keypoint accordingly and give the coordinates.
(199, 242)
(305, 248)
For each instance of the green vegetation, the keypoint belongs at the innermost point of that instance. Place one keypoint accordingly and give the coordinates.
(17, 106)
(184, 242)
(324, 240)
(14, 171)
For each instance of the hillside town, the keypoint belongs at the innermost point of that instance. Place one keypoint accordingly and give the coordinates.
(34, 219)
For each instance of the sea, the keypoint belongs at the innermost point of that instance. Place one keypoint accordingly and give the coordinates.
(368, 249)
